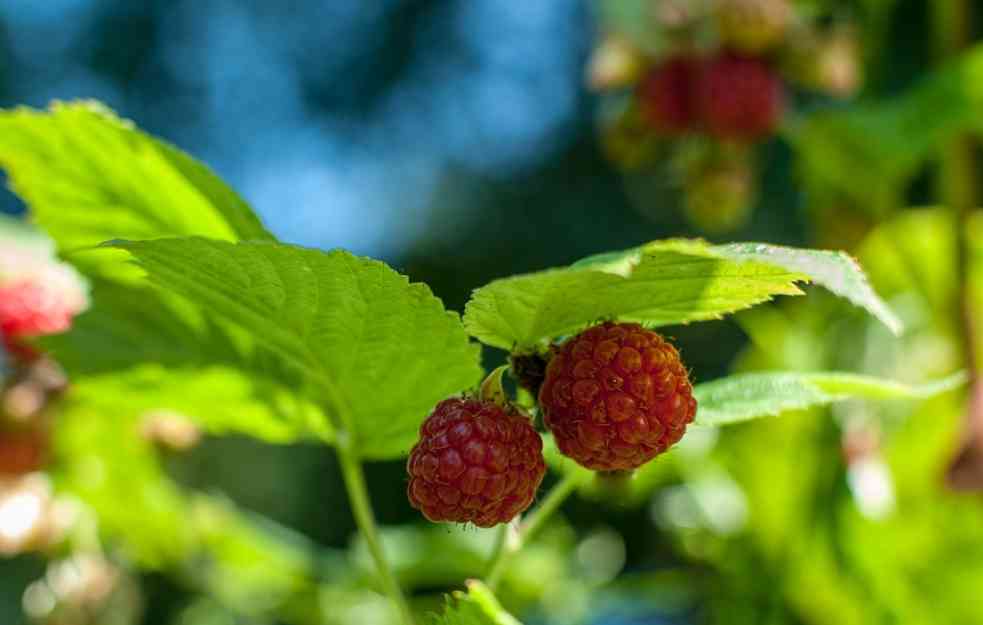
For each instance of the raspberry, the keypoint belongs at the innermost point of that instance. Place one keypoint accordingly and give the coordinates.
(616, 396)
(38, 294)
(31, 308)
(475, 462)
(753, 26)
(666, 96)
(22, 450)
(739, 98)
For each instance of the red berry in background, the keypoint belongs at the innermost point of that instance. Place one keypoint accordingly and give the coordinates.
(666, 96)
(38, 293)
(476, 462)
(31, 309)
(616, 396)
(739, 98)
(22, 450)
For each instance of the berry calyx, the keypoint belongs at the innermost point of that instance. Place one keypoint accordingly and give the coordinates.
(476, 462)
(616, 396)
(666, 96)
(529, 370)
(739, 98)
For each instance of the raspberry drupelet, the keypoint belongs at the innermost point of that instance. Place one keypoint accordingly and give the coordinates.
(476, 462)
(667, 96)
(739, 98)
(616, 396)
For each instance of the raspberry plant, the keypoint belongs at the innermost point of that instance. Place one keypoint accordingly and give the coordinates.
(197, 309)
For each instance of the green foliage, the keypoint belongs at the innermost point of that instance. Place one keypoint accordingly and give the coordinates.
(477, 606)
(891, 140)
(378, 351)
(661, 283)
(105, 462)
(89, 176)
(753, 395)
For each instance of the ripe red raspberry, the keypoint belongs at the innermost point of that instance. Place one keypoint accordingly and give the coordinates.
(475, 462)
(616, 396)
(22, 450)
(739, 98)
(666, 96)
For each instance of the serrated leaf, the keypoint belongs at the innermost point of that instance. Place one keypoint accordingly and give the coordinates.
(88, 176)
(752, 395)
(661, 283)
(376, 350)
(477, 606)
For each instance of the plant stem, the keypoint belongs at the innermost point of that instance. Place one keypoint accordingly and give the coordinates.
(358, 495)
(529, 528)
(957, 189)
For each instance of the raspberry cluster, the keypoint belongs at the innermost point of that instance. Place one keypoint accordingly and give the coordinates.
(700, 82)
(476, 462)
(616, 396)
(729, 96)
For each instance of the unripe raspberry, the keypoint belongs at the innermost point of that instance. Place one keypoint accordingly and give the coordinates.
(719, 195)
(666, 96)
(476, 462)
(614, 64)
(739, 98)
(616, 396)
(753, 26)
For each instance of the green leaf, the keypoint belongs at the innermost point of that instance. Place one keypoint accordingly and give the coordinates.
(752, 395)
(88, 176)
(376, 350)
(220, 399)
(661, 283)
(252, 565)
(868, 154)
(477, 606)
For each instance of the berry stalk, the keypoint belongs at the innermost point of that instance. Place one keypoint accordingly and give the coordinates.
(358, 495)
(506, 549)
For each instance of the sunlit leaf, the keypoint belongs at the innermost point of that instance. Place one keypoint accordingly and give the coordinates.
(751, 395)
(375, 349)
(661, 283)
(88, 176)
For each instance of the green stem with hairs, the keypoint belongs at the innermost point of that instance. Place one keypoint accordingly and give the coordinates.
(358, 495)
(507, 550)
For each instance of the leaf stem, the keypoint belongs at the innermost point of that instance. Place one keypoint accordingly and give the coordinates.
(351, 469)
(503, 556)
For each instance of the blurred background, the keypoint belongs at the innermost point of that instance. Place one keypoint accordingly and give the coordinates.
(460, 141)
